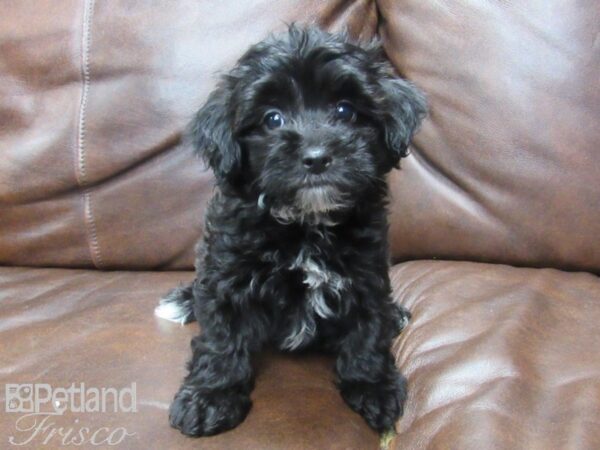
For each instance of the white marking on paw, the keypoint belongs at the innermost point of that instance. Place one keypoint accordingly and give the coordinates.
(171, 311)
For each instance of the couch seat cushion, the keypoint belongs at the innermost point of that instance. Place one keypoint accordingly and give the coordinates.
(63, 326)
(499, 357)
(496, 357)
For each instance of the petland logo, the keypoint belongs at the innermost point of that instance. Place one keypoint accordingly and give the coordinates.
(39, 403)
(37, 398)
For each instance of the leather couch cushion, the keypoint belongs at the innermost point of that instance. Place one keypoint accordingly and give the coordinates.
(64, 326)
(506, 168)
(93, 99)
(496, 357)
(499, 357)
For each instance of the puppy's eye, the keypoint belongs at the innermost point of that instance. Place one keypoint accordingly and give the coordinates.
(345, 112)
(273, 119)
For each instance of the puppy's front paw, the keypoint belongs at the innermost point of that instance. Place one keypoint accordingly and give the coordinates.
(380, 404)
(202, 412)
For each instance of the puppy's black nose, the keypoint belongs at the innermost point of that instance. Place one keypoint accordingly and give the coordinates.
(316, 160)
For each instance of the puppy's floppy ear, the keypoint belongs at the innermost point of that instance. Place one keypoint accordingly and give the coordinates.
(404, 107)
(211, 135)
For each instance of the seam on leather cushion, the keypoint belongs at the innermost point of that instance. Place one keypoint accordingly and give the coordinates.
(81, 169)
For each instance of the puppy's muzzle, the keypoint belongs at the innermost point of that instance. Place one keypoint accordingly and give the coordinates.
(316, 160)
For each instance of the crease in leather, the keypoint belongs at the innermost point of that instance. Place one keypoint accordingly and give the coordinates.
(37, 312)
(519, 16)
(451, 189)
(171, 142)
(156, 151)
(345, 13)
(406, 286)
(451, 392)
(334, 12)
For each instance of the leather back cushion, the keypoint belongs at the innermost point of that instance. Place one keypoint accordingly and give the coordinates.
(507, 167)
(94, 96)
(93, 99)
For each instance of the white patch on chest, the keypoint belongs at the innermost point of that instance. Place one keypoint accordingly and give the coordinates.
(319, 281)
(303, 332)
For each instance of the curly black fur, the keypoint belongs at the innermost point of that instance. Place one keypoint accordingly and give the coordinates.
(300, 135)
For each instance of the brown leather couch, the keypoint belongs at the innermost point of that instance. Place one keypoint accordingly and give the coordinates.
(495, 219)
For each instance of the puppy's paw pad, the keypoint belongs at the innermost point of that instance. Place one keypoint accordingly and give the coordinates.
(380, 404)
(201, 412)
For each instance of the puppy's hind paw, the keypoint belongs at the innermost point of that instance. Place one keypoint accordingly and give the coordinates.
(201, 412)
(177, 306)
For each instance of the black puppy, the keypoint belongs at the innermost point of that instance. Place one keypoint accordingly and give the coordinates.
(300, 135)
